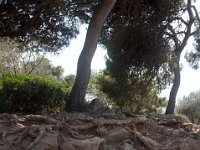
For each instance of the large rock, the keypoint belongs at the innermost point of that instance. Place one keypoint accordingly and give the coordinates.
(96, 106)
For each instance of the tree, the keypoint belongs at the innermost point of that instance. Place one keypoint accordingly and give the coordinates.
(18, 59)
(138, 67)
(43, 25)
(133, 12)
(78, 92)
(179, 36)
(49, 25)
(137, 96)
(139, 55)
(111, 24)
(9, 55)
(57, 71)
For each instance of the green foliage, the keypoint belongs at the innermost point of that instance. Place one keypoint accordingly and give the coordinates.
(14, 60)
(189, 106)
(193, 57)
(137, 97)
(69, 79)
(57, 71)
(137, 51)
(44, 24)
(94, 88)
(29, 94)
(152, 13)
(184, 118)
(139, 65)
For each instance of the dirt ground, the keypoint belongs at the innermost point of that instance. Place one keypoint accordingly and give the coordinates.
(97, 131)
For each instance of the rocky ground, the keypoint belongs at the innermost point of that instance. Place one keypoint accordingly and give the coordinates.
(97, 131)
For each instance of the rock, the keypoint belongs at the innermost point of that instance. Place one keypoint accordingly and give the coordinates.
(96, 106)
(81, 144)
(127, 145)
(118, 134)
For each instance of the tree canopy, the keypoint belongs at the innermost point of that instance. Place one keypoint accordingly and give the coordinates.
(151, 13)
(43, 24)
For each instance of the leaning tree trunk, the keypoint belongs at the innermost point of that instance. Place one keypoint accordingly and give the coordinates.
(77, 95)
(175, 87)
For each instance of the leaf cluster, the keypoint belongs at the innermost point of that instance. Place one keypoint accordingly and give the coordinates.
(136, 52)
(43, 24)
(193, 58)
(151, 13)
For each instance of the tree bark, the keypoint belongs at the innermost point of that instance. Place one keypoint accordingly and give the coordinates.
(77, 95)
(175, 87)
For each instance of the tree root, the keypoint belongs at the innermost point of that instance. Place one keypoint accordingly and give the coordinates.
(40, 118)
(39, 137)
(23, 132)
(148, 142)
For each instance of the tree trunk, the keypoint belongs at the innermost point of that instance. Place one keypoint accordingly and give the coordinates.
(77, 95)
(175, 87)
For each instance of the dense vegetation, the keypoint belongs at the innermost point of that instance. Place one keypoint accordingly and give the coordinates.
(126, 96)
(189, 106)
(30, 94)
(142, 39)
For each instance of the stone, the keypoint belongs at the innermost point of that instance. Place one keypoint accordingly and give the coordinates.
(96, 106)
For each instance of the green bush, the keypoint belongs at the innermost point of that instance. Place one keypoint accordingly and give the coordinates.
(30, 94)
(189, 106)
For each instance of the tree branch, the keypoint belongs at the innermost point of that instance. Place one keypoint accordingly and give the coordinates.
(36, 65)
(174, 35)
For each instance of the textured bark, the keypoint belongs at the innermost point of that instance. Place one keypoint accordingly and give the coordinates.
(78, 92)
(174, 89)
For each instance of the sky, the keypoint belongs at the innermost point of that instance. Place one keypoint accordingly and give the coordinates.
(68, 58)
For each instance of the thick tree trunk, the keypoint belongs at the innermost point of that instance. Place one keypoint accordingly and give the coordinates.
(78, 92)
(175, 87)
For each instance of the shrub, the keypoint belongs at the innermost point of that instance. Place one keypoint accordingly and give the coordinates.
(30, 94)
(189, 106)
